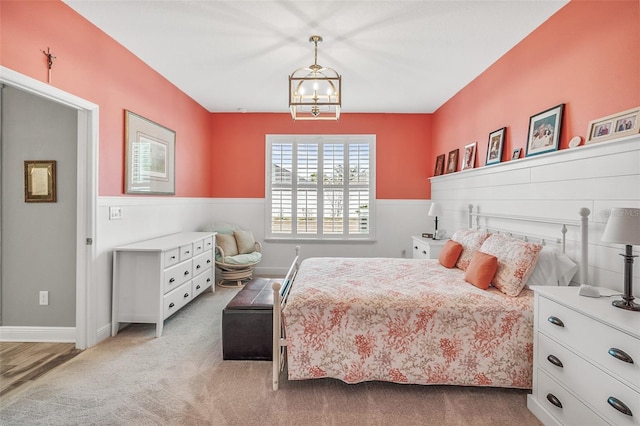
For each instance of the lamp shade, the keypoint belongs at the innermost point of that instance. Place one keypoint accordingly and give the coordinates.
(623, 226)
(435, 210)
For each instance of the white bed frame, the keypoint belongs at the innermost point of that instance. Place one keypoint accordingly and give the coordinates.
(281, 290)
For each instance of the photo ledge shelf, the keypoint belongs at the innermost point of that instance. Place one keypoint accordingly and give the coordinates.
(624, 144)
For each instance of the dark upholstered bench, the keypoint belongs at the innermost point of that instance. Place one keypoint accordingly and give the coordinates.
(247, 322)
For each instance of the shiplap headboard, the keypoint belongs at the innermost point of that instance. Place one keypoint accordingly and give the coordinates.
(556, 186)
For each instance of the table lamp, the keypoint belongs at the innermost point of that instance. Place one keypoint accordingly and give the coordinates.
(623, 227)
(435, 210)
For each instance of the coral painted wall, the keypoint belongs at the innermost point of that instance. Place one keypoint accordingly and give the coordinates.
(402, 150)
(95, 67)
(587, 56)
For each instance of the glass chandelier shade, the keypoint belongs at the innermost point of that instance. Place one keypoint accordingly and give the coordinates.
(315, 91)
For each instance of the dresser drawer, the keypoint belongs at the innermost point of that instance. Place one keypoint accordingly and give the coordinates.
(186, 252)
(177, 275)
(590, 384)
(176, 299)
(208, 243)
(593, 339)
(562, 404)
(202, 262)
(171, 257)
(202, 282)
(198, 247)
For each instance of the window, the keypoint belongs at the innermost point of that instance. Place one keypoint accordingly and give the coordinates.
(320, 187)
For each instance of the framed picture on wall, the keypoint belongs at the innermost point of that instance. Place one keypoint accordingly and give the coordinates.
(494, 146)
(545, 129)
(150, 157)
(469, 159)
(40, 181)
(614, 126)
(439, 165)
(452, 161)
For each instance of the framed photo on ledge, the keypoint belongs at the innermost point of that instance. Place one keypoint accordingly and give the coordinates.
(150, 157)
(439, 165)
(469, 159)
(545, 129)
(516, 153)
(494, 146)
(614, 126)
(452, 161)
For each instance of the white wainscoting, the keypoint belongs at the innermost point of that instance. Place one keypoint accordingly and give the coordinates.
(149, 217)
(555, 185)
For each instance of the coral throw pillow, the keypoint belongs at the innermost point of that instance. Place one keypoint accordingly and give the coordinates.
(471, 241)
(516, 260)
(481, 270)
(450, 254)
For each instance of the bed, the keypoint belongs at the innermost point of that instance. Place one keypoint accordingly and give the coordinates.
(421, 321)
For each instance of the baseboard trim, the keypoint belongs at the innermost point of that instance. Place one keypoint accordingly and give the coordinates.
(104, 332)
(38, 334)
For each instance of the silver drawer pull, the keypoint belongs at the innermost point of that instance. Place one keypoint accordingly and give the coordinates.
(186, 272)
(172, 280)
(555, 321)
(555, 361)
(415, 247)
(171, 305)
(187, 252)
(199, 248)
(198, 287)
(208, 280)
(173, 257)
(198, 267)
(424, 252)
(621, 355)
(208, 260)
(619, 405)
(554, 400)
(186, 295)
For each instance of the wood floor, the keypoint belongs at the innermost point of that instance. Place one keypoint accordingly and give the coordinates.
(22, 363)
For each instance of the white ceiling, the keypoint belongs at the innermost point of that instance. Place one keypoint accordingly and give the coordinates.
(395, 56)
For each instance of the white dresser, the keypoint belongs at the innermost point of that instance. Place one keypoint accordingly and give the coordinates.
(153, 279)
(586, 367)
(426, 248)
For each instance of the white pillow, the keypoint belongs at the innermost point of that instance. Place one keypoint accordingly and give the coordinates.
(554, 268)
(567, 268)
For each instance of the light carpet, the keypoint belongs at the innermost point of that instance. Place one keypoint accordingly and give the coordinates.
(181, 379)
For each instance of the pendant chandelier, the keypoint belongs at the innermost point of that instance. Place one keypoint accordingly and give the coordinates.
(315, 91)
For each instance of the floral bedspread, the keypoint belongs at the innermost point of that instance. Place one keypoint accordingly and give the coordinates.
(405, 321)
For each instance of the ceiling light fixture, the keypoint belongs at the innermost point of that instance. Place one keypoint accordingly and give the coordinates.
(315, 91)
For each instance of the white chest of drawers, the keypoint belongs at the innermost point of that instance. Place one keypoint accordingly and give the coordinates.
(586, 360)
(425, 248)
(153, 279)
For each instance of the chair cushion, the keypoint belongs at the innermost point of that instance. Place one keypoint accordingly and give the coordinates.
(243, 259)
(245, 241)
(227, 243)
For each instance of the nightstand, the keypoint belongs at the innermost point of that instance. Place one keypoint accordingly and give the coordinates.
(426, 248)
(586, 356)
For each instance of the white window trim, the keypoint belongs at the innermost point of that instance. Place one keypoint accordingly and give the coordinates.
(349, 238)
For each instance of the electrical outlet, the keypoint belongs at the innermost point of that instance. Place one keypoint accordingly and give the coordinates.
(115, 213)
(44, 297)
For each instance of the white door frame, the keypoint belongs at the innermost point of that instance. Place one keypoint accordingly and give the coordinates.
(87, 184)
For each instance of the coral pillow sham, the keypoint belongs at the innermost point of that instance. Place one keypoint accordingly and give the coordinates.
(471, 242)
(516, 261)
